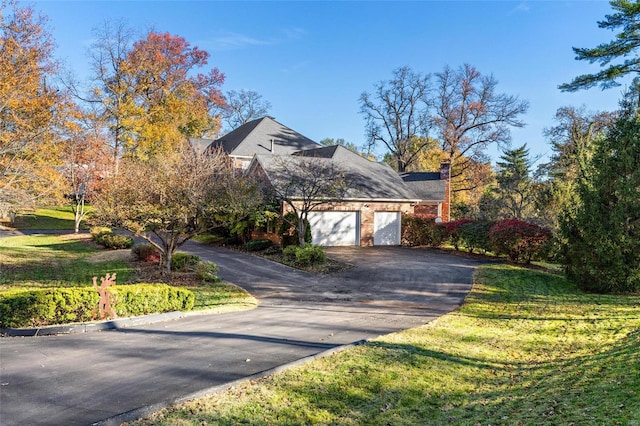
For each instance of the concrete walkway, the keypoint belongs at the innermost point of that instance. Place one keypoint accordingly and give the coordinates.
(85, 378)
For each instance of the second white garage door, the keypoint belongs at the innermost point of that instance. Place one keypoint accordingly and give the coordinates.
(386, 228)
(334, 228)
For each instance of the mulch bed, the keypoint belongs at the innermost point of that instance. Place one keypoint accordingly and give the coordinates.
(150, 272)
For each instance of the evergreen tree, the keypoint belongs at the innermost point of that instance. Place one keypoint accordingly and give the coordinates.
(625, 45)
(515, 193)
(602, 232)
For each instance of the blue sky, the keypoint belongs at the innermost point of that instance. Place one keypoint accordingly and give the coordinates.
(312, 60)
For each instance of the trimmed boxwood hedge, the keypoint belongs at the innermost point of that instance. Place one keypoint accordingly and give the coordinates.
(41, 307)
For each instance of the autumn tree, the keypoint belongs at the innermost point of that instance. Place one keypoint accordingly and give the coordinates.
(469, 114)
(30, 109)
(110, 97)
(397, 115)
(173, 104)
(573, 140)
(147, 93)
(243, 106)
(85, 163)
(166, 201)
(619, 57)
(305, 183)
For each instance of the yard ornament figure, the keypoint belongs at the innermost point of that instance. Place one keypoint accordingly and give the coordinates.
(104, 305)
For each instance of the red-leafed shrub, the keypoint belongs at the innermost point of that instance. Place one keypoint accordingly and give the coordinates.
(421, 231)
(145, 252)
(452, 231)
(518, 239)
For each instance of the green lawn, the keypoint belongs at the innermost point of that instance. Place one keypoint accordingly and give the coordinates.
(54, 261)
(526, 348)
(58, 218)
(43, 261)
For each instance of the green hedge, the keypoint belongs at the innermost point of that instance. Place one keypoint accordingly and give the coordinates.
(41, 307)
(307, 256)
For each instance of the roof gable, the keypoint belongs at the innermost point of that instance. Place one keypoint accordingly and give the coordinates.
(200, 145)
(263, 136)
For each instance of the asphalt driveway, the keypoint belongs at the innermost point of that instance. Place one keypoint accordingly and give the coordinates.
(85, 378)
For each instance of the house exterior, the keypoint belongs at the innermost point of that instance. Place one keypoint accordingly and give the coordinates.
(369, 212)
(262, 136)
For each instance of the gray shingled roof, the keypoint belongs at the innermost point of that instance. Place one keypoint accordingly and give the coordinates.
(368, 180)
(200, 145)
(255, 137)
(425, 185)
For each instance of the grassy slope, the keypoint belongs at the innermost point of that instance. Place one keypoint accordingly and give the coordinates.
(526, 348)
(39, 261)
(53, 261)
(59, 218)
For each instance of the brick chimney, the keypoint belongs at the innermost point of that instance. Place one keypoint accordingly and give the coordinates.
(445, 175)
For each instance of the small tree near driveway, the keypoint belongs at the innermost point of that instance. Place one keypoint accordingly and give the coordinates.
(305, 183)
(165, 200)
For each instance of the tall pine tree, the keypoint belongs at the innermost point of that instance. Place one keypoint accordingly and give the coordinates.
(624, 49)
(515, 192)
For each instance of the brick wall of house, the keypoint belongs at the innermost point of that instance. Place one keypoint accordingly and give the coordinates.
(429, 210)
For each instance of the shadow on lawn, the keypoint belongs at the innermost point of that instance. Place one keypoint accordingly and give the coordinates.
(386, 383)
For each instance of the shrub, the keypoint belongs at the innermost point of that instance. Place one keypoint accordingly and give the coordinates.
(208, 271)
(95, 231)
(307, 256)
(35, 308)
(114, 241)
(142, 299)
(421, 231)
(274, 249)
(257, 245)
(184, 261)
(145, 252)
(41, 307)
(475, 235)
(518, 240)
(290, 251)
(452, 231)
(310, 255)
(106, 238)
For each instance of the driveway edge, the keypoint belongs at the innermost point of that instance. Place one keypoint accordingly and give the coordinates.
(91, 327)
(145, 411)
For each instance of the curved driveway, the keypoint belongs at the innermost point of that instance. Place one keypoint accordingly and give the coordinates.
(85, 378)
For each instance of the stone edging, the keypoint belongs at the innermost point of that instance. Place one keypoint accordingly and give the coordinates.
(92, 326)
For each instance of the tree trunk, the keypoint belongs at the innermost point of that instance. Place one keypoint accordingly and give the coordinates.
(302, 230)
(169, 247)
(79, 214)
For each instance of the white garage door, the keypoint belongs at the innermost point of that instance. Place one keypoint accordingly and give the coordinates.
(334, 228)
(386, 228)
